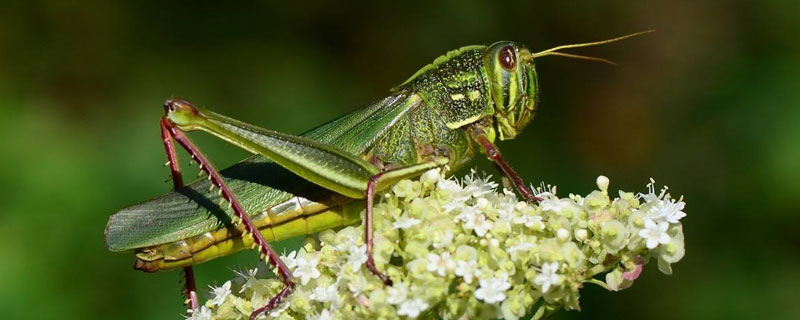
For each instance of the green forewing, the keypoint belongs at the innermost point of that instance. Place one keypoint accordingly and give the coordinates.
(257, 182)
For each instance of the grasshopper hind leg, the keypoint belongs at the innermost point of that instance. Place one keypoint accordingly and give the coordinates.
(189, 283)
(170, 133)
(190, 290)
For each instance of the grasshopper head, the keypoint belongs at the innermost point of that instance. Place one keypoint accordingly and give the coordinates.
(513, 86)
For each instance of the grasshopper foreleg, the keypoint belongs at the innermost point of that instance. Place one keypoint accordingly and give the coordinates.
(493, 153)
(267, 253)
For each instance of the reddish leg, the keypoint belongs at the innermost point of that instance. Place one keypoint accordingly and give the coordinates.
(266, 251)
(190, 289)
(494, 154)
(371, 186)
(389, 176)
(190, 286)
(172, 157)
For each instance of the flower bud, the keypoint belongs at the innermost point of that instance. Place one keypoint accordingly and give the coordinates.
(581, 234)
(602, 183)
(562, 234)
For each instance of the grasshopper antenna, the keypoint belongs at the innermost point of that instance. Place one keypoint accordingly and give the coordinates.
(555, 51)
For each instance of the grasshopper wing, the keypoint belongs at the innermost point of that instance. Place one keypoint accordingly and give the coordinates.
(257, 182)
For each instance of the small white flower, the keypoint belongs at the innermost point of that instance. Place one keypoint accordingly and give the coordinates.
(325, 294)
(449, 185)
(405, 222)
(289, 260)
(397, 293)
(349, 237)
(505, 207)
(548, 277)
(478, 186)
(467, 214)
(475, 220)
(440, 263)
(519, 249)
(651, 195)
(357, 285)
(654, 233)
(324, 315)
(357, 257)
(459, 197)
(530, 220)
(668, 210)
(307, 269)
(522, 246)
(493, 290)
(482, 225)
(482, 204)
(204, 313)
(220, 293)
(543, 191)
(467, 270)
(412, 308)
(457, 204)
(445, 240)
(554, 204)
(280, 309)
(249, 278)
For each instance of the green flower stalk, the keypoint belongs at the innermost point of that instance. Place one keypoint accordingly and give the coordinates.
(461, 249)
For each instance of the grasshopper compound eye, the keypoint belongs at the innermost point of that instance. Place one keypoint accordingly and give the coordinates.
(507, 58)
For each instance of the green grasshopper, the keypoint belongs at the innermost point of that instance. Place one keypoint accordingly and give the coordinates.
(443, 115)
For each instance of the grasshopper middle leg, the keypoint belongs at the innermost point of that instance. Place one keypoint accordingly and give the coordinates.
(379, 182)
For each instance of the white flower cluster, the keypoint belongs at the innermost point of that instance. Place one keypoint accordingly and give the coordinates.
(461, 250)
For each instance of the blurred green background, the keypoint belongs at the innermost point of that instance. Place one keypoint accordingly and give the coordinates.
(709, 105)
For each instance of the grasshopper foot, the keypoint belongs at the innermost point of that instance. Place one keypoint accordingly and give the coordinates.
(371, 266)
(274, 302)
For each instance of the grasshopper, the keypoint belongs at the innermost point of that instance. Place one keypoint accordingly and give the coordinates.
(443, 115)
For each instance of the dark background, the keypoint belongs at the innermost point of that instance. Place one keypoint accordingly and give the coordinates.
(708, 105)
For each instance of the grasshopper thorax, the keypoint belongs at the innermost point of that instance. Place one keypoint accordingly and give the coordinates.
(513, 86)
